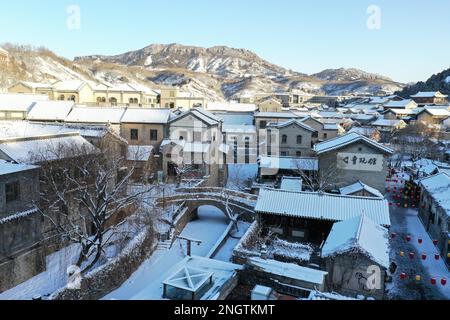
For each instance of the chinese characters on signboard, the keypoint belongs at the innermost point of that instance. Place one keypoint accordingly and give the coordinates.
(360, 162)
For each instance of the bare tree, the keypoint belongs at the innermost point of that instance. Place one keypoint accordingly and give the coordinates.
(83, 193)
(320, 180)
(417, 140)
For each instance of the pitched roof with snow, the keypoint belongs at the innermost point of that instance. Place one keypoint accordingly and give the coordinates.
(359, 186)
(288, 270)
(50, 110)
(429, 94)
(19, 102)
(68, 85)
(399, 104)
(288, 163)
(32, 150)
(10, 167)
(95, 115)
(231, 107)
(436, 112)
(276, 115)
(348, 139)
(321, 206)
(388, 122)
(291, 122)
(200, 113)
(438, 186)
(359, 234)
(145, 115)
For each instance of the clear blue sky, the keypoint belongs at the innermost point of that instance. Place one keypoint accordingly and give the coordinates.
(306, 36)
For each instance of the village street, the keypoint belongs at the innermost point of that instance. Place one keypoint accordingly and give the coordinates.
(406, 222)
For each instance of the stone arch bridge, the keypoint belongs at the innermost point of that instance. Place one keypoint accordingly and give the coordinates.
(239, 203)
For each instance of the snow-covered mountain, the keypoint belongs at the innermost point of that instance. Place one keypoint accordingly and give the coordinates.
(218, 73)
(437, 82)
(351, 74)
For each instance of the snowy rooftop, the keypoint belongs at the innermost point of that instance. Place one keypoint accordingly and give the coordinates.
(429, 94)
(236, 118)
(288, 163)
(201, 114)
(399, 104)
(9, 167)
(275, 115)
(19, 102)
(189, 279)
(387, 123)
(291, 184)
(49, 147)
(437, 112)
(234, 128)
(404, 111)
(359, 234)
(359, 186)
(68, 85)
(438, 186)
(95, 115)
(321, 206)
(145, 115)
(139, 153)
(349, 139)
(50, 110)
(200, 269)
(231, 107)
(288, 270)
(291, 122)
(36, 85)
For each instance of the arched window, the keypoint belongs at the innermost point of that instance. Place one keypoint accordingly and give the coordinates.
(73, 98)
(113, 101)
(299, 139)
(136, 100)
(131, 100)
(101, 99)
(284, 138)
(299, 154)
(62, 97)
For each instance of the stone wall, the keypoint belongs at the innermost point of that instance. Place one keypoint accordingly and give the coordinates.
(112, 275)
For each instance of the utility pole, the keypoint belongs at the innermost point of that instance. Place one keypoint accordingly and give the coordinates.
(189, 242)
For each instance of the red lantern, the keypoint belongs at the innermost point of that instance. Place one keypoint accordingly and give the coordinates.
(394, 235)
(437, 257)
(444, 281)
(390, 204)
(420, 240)
(411, 255)
(398, 205)
(435, 242)
(408, 238)
(403, 276)
(424, 256)
(433, 281)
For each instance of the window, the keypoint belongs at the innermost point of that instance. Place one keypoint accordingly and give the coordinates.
(134, 134)
(284, 154)
(263, 124)
(299, 139)
(197, 137)
(72, 98)
(101, 99)
(172, 105)
(325, 135)
(12, 191)
(61, 97)
(299, 154)
(153, 135)
(284, 139)
(113, 101)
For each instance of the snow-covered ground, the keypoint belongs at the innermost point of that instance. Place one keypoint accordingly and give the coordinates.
(406, 222)
(226, 251)
(146, 282)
